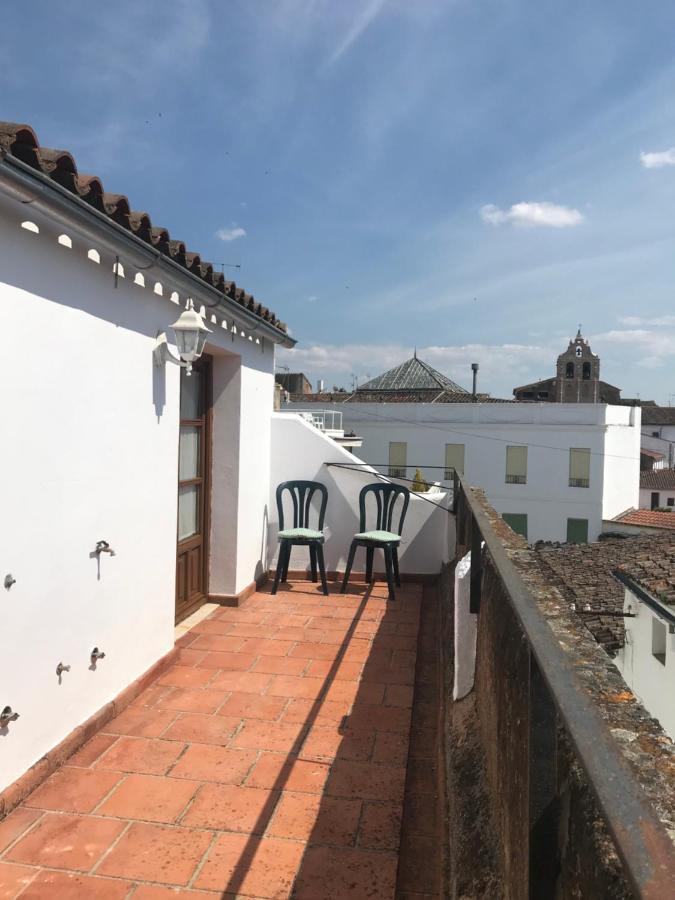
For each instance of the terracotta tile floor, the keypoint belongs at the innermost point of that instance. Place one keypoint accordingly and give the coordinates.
(268, 762)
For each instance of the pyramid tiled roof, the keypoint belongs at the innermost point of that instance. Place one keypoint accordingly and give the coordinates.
(412, 375)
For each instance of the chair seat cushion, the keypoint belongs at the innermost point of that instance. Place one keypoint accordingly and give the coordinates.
(380, 536)
(306, 534)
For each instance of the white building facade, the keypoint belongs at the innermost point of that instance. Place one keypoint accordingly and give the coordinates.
(96, 438)
(647, 659)
(553, 470)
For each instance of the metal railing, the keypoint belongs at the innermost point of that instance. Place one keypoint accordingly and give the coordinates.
(580, 482)
(323, 419)
(516, 479)
(558, 695)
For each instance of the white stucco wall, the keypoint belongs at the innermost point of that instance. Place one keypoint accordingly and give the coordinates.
(548, 429)
(300, 451)
(646, 497)
(90, 452)
(650, 680)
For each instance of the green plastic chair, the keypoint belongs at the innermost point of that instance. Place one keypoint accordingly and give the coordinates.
(385, 536)
(301, 493)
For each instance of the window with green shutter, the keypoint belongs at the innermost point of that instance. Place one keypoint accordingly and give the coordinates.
(517, 522)
(580, 467)
(398, 452)
(516, 465)
(454, 460)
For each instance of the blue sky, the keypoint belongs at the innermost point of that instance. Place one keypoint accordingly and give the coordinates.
(473, 177)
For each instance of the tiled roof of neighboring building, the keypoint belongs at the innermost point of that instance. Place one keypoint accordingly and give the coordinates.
(362, 396)
(647, 518)
(59, 166)
(412, 375)
(654, 570)
(652, 454)
(658, 479)
(658, 415)
(583, 575)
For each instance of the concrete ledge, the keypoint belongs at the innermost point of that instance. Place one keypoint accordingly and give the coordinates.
(13, 795)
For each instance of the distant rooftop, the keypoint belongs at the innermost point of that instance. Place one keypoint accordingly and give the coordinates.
(647, 518)
(412, 375)
(658, 479)
(658, 415)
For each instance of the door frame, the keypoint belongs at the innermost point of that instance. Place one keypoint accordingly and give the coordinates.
(205, 366)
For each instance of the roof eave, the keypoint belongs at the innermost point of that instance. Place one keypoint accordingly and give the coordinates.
(20, 181)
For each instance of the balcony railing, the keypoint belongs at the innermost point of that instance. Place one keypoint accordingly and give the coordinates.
(539, 718)
(323, 419)
(580, 482)
(516, 479)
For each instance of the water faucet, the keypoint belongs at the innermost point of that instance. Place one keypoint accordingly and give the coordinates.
(8, 715)
(104, 547)
(61, 668)
(96, 654)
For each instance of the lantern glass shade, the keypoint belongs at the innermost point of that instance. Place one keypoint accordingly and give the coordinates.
(190, 333)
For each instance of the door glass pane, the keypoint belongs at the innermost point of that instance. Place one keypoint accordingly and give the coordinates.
(188, 506)
(190, 394)
(188, 458)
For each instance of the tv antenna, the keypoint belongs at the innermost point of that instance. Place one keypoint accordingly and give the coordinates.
(224, 265)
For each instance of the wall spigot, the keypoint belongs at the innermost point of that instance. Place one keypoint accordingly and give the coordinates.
(104, 547)
(8, 715)
(96, 654)
(9, 580)
(60, 669)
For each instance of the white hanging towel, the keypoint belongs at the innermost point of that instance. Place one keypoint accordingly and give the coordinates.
(465, 631)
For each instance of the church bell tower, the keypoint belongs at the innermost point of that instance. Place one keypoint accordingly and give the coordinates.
(578, 373)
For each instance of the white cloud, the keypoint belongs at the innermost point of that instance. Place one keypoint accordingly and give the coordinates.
(230, 234)
(658, 159)
(636, 321)
(536, 214)
(649, 349)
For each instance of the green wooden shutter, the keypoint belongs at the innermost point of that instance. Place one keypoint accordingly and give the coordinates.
(517, 522)
(516, 465)
(454, 460)
(577, 531)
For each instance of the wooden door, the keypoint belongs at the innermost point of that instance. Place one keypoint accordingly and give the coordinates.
(194, 463)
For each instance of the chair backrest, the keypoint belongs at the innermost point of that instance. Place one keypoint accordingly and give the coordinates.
(302, 493)
(386, 497)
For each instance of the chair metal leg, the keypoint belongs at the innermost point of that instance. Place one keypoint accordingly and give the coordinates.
(397, 574)
(280, 565)
(322, 567)
(370, 553)
(388, 565)
(350, 563)
(287, 559)
(312, 560)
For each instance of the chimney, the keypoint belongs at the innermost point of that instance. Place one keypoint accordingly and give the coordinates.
(474, 369)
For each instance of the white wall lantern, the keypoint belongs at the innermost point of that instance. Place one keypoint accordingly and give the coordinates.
(190, 333)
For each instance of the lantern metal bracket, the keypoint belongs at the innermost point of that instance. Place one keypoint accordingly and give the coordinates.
(162, 354)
